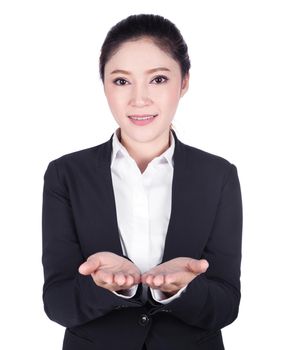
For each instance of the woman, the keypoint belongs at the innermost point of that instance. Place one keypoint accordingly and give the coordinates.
(142, 233)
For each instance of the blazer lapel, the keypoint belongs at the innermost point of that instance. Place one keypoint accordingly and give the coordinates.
(109, 237)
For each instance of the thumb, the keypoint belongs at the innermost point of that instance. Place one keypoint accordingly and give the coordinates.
(198, 266)
(89, 266)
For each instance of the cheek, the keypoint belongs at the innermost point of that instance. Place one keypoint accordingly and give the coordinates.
(169, 99)
(115, 99)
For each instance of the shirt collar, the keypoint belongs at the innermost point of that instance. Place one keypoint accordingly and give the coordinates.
(119, 150)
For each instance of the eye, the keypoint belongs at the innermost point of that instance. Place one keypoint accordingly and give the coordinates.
(119, 79)
(159, 77)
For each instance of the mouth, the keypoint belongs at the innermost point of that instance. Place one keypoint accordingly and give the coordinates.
(142, 119)
(142, 116)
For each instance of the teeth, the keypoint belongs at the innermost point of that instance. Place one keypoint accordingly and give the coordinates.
(141, 118)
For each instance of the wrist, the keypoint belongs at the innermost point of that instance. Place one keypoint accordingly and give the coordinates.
(169, 294)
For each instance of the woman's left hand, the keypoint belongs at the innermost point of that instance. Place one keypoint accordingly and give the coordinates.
(174, 274)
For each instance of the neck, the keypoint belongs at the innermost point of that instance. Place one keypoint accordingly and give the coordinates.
(144, 152)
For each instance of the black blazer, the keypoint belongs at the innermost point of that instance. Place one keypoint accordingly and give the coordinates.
(79, 219)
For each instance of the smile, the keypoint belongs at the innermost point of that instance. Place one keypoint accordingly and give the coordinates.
(142, 117)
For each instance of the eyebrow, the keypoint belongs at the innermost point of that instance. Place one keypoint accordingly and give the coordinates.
(148, 71)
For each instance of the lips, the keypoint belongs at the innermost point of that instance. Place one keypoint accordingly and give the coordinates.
(138, 116)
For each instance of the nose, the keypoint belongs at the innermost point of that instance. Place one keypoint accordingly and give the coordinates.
(140, 96)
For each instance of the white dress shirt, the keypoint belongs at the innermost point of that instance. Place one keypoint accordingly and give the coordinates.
(143, 208)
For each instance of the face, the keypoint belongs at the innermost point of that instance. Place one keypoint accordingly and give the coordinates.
(133, 86)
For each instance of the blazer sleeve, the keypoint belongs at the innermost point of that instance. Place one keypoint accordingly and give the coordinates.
(211, 300)
(69, 297)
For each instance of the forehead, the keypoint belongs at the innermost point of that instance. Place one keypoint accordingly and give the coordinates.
(140, 54)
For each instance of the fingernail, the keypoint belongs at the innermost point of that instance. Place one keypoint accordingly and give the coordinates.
(205, 264)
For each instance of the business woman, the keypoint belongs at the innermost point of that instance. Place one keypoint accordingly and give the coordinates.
(142, 233)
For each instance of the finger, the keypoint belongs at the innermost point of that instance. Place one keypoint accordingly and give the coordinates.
(101, 283)
(129, 280)
(104, 276)
(158, 280)
(89, 266)
(119, 278)
(145, 275)
(148, 279)
(198, 266)
(97, 280)
(137, 278)
(204, 264)
(171, 278)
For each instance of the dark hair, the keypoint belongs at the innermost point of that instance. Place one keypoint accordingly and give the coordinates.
(163, 32)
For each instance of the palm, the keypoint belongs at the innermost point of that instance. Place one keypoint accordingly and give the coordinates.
(174, 274)
(111, 271)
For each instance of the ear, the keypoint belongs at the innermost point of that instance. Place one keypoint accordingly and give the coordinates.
(185, 84)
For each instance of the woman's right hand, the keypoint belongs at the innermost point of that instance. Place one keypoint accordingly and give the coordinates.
(111, 271)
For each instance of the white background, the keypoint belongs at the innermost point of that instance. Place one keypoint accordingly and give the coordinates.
(52, 103)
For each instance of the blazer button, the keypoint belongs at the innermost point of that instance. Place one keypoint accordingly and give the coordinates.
(143, 320)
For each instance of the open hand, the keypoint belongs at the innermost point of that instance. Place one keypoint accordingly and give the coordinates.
(174, 274)
(111, 271)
